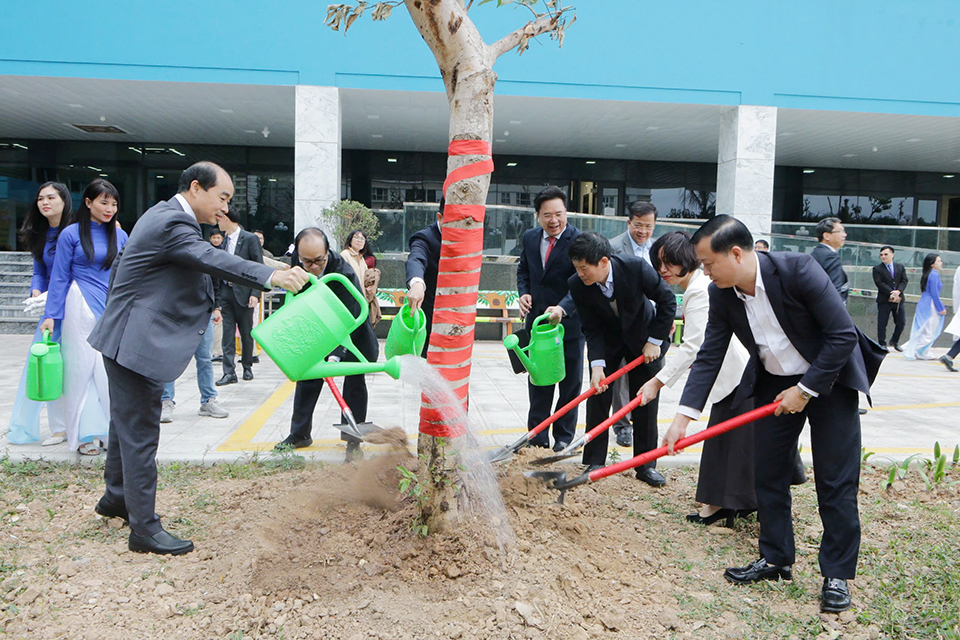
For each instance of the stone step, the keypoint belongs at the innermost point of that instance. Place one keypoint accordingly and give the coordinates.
(15, 287)
(16, 256)
(16, 276)
(16, 265)
(18, 325)
(13, 298)
(13, 310)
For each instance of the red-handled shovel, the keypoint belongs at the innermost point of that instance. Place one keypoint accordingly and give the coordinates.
(558, 479)
(505, 453)
(571, 449)
(351, 428)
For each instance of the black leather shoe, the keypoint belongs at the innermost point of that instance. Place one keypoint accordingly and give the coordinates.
(594, 467)
(652, 477)
(625, 437)
(228, 378)
(560, 446)
(161, 542)
(721, 514)
(898, 347)
(111, 511)
(948, 363)
(835, 596)
(293, 442)
(540, 444)
(862, 411)
(216, 359)
(756, 571)
(248, 374)
(256, 359)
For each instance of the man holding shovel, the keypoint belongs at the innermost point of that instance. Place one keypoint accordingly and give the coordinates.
(312, 252)
(806, 353)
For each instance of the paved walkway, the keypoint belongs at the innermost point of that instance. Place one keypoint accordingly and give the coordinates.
(916, 404)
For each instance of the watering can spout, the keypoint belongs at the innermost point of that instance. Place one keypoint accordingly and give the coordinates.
(334, 369)
(513, 343)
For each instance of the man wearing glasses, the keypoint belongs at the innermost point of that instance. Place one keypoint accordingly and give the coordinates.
(312, 252)
(635, 241)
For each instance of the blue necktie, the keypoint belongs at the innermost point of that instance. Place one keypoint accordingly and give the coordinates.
(890, 267)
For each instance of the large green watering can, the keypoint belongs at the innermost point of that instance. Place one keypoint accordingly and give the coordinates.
(408, 333)
(310, 325)
(44, 370)
(544, 355)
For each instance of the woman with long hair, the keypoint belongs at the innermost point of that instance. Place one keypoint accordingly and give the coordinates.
(928, 319)
(77, 297)
(725, 487)
(51, 211)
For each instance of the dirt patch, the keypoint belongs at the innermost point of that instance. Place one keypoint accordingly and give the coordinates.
(328, 553)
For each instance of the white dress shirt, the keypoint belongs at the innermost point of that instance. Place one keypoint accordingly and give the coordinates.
(232, 240)
(777, 354)
(642, 250)
(545, 244)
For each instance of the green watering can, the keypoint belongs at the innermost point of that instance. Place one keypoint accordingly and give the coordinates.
(408, 333)
(310, 325)
(544, 355)
(45, 370)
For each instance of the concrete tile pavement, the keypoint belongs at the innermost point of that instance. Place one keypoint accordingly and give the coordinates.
(915, 405)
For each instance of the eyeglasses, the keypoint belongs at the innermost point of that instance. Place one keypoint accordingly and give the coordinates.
(307, 262)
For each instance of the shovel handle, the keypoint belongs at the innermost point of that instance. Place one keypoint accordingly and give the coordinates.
(603, 426)
(682, 443)
(336, 395)
(580, 398)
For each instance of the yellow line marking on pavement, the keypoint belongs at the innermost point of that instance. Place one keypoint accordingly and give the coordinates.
(241, 438)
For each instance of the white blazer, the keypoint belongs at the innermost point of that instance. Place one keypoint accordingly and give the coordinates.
(696, 309)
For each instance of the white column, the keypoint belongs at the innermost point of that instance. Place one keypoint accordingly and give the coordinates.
(316, 154)
(748, 147)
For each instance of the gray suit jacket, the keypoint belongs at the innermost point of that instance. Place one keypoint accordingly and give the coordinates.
(248, 248)
(161, 293)
(622, 244)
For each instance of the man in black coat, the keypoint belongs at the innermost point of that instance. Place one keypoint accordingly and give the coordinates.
(613, 295)
(312, 252)
(805, 352)
(891, 280)
(542, 282)
(832, 236)
(422, 266)
(236, 300)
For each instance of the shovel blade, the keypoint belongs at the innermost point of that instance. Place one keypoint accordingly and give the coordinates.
(539, 462)
(500, 455)
(349, 430)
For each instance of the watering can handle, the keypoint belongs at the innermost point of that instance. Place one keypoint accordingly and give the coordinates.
(46, 336)
(310, 277)
(352, 290)
(539, 319)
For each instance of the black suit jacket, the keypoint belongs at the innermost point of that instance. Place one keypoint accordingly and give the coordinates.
(831, 263)
(886, 284)
(248, 248)
(635, 284)
(813, 316)
(424, 262)
(548, 285)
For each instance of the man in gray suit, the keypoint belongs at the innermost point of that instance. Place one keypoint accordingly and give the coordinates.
(158, 308)
(635, 241)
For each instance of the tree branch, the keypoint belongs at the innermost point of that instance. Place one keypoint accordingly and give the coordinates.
(543, 24)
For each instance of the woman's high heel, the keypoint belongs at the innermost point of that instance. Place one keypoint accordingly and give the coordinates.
(729, 514)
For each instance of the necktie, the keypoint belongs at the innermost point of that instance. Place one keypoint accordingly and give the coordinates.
(890, 267)
(552, 241)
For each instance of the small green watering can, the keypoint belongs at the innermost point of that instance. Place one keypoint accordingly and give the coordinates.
(544, 355)
(44, 370)
(408, 333)
(310, 325)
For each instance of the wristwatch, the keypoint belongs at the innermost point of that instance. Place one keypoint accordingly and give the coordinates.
(804, 394)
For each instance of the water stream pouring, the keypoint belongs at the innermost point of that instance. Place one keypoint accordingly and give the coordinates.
(408, 333)
(310, 325)
(44, 370)
(544, 355)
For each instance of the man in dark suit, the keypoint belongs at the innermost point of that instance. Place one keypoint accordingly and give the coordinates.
(422, 266)
(832, 236)
(891, 280)
(236, 300)
(613, 295)
(312, 252)
(805, 352)
(542, 276)
(158, 309)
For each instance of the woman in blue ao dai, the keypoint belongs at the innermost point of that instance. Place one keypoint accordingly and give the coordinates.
(928, 320)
